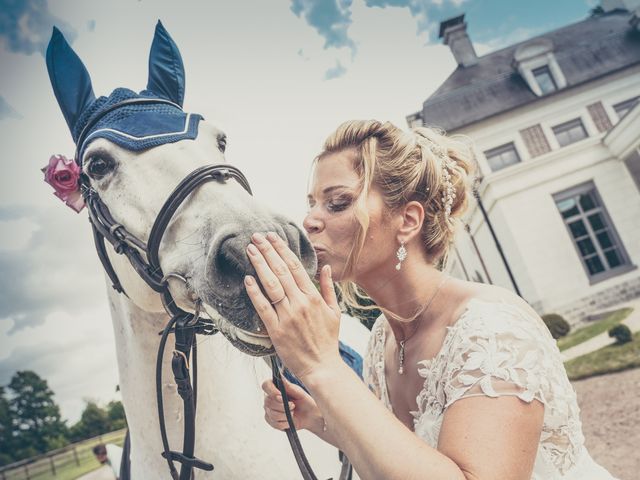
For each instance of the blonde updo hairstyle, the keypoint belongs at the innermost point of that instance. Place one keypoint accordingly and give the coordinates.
(404, 167)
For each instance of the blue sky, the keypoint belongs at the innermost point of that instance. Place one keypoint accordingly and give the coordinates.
(276, 76)
(491, 20)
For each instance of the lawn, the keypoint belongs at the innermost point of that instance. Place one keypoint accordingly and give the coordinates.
(613, 358)
(66, 469)
(73, 471)
(590, 331)
(65, 463)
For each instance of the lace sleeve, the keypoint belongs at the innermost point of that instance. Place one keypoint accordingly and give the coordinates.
(500, 352)
(373, 357)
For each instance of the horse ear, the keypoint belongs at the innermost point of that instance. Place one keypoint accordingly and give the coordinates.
(69, 78)
(166, 71)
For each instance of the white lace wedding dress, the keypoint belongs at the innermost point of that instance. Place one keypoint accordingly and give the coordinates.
(497, 349)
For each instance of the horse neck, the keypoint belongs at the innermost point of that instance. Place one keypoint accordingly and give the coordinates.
(137, 340)
(230, 429)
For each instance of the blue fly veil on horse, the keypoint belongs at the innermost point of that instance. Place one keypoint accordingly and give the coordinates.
(133, 127)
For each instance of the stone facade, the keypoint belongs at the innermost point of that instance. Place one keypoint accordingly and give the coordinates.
(577, 312)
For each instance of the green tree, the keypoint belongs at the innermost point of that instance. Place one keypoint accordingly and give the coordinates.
(6, 430)
(37, 426)
(93, 421)
(115, 412)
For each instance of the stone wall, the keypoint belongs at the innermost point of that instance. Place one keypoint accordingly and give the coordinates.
(577, 313)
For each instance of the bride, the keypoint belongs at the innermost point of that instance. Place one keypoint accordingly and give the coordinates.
(464, 380)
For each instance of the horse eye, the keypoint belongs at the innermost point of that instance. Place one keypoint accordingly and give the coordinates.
(99, 166)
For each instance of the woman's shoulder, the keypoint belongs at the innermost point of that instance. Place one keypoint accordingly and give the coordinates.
(490, 310)
(473, 295)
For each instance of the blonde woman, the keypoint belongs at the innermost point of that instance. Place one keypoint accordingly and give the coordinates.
(462, 380)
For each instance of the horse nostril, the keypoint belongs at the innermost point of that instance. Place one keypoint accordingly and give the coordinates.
(231, 263)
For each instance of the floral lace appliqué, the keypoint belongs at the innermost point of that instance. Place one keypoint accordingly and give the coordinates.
(494, 349)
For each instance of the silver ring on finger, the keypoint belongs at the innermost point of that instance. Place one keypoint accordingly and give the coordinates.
(275, 302)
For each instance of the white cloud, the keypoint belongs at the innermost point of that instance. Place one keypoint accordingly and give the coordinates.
(16, 233)
(74, 353)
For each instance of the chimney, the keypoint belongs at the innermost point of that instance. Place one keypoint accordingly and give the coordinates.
(454, 33)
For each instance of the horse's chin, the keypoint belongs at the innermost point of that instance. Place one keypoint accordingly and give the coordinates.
(251, 343)
(256, 345)
(253, 349)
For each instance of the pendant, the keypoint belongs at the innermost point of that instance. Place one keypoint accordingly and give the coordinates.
(401, 358)
(401, 254)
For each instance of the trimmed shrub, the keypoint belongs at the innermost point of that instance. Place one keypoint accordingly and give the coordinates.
(557, 325)
(621, 333)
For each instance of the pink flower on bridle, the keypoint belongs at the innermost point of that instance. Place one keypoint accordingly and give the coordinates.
(63, 175)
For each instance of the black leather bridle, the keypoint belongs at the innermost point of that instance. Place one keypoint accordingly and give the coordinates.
(184, 325)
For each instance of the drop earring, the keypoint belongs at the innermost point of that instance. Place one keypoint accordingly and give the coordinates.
(401, 254)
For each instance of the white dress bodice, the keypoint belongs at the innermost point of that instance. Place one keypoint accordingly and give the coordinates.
(497, 349)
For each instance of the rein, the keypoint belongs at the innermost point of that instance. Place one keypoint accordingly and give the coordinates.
(184, 325)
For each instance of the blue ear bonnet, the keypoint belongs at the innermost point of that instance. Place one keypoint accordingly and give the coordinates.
(135, 127)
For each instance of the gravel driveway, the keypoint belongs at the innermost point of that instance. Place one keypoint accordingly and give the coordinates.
(610, 413)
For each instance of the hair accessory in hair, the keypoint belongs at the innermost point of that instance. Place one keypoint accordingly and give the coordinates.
(438, 150)
(448, 193)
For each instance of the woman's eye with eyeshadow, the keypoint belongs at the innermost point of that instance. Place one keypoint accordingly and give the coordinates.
(340, 203)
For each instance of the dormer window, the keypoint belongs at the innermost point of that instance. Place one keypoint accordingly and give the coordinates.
(536, 63)
(545, 79)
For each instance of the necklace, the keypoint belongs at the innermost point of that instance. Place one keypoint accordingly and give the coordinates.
(415, 329)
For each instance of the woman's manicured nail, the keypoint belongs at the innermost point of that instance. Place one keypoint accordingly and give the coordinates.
(248, 279)
(327, 271)
(257, 238)
(272, 237)
(252, 249)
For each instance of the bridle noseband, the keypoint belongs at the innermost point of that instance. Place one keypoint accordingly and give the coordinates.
(184, 325)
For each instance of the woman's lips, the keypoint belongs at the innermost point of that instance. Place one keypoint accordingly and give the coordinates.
(319, 248)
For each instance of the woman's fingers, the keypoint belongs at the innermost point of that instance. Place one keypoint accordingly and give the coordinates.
(272, 270)
(274, 408)
(273, 397)
(298, 273)
(328, 290)
(269, 281)
(269, 388)
(275, 404)
(277, 422)
(263, 306)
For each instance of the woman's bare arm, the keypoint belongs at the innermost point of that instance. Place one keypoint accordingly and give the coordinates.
(481, 437)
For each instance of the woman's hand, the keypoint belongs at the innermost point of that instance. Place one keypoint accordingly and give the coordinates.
(305, 412)
(303, 324)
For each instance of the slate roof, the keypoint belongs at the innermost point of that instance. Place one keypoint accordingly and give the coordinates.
(585, 51)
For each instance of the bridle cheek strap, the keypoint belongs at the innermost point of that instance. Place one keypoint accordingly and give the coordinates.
(346, 470)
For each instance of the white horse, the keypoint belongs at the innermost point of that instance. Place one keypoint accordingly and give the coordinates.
(204, 243)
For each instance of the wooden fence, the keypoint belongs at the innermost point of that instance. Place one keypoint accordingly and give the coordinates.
(50, 464)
